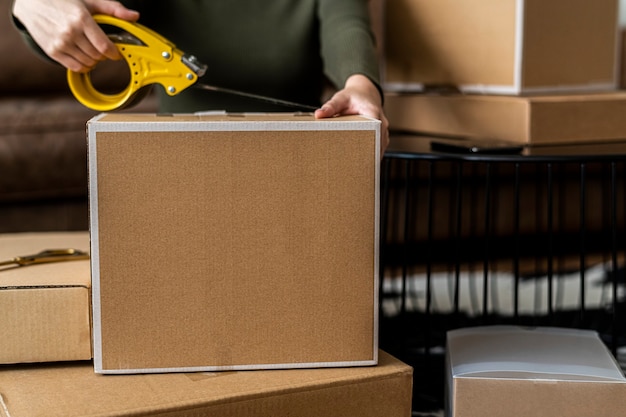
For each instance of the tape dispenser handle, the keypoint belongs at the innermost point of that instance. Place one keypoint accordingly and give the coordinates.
(150, 58)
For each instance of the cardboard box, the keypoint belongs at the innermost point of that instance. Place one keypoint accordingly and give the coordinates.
(44, 309)
(502, 46)
(233, 241)
(534, 120)
(73, 389)
(512, 371)
(622, 59)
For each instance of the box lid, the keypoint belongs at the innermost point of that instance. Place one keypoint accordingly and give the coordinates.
(511, 352)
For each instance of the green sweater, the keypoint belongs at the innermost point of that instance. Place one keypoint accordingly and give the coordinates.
(278, 48)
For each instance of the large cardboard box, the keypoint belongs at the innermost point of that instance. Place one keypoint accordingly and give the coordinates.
(73, 389)
(502, 46)
(233, 241)
(499, 371)
(533, 120)
(44, 308)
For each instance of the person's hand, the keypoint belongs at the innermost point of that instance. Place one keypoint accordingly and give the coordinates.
(66, 32)
(359, 96)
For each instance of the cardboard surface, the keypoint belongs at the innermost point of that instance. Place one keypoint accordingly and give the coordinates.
(73, 389)
(513, 371)
(45, 309)
(534, 120)
(233, 241)
(501, 46)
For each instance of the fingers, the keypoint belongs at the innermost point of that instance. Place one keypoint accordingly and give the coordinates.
(112, 8)
(92, 44)
(66, 31)
(338, 104)
(81, 44)
(343, 104)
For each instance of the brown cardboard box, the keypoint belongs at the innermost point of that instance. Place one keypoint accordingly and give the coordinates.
(73, 389)
(622, 59)
(514, 372)
(44, 309)
(235, 241)
(535, 120)
(502, 46)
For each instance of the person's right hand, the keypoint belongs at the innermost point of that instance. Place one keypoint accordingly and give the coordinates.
(66, 32)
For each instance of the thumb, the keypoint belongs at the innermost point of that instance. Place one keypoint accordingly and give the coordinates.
(333, 107)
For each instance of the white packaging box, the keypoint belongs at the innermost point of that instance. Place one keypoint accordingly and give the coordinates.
(509, 371)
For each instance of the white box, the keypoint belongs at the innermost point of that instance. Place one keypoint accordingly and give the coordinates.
(509, 371)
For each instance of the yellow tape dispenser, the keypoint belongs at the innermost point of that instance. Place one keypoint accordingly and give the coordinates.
(151, 59)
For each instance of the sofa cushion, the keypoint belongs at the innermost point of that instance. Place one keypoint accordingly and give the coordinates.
(43, 151)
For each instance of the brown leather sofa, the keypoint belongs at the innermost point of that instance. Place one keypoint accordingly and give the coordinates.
(43, 152)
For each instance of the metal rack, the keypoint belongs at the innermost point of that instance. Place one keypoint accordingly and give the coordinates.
(534, 239)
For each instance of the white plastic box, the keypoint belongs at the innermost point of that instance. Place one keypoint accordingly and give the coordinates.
(508, 371)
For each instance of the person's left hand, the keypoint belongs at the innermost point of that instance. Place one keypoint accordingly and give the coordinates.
(359, 96)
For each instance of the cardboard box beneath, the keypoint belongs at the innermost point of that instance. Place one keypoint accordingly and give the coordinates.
(513, 371)
(225, 242)
(44, 309)
(533, 120)
(73, 389)
(502, 46)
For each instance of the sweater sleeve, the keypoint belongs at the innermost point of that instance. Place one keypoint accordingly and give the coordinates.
(29, 40)
(347, 41)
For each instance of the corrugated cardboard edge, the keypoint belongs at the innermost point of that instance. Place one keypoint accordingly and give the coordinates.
(334, 124)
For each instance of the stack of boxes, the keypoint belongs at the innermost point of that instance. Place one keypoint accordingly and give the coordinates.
(524, 71)
(225, 242)
(542, 74)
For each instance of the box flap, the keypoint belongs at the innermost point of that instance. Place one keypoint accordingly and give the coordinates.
(531, 353)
